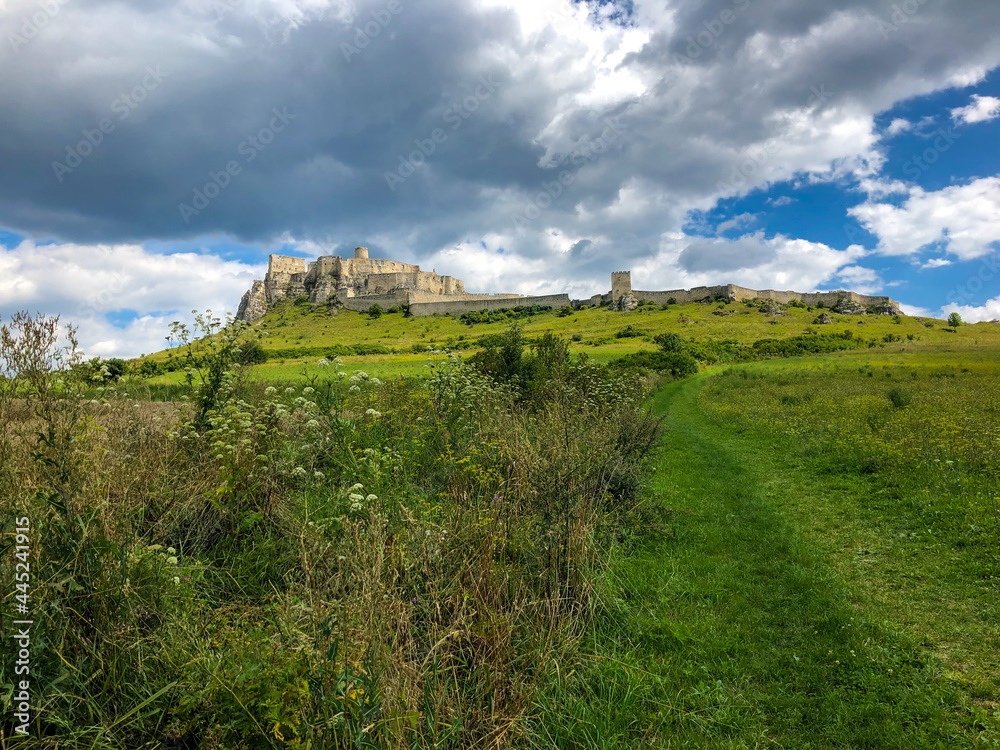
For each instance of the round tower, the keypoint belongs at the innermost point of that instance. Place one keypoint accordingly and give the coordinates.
(361, 252)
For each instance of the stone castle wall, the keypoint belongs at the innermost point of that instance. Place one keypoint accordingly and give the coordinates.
(358, 283)
(444, 307)
(738, 293)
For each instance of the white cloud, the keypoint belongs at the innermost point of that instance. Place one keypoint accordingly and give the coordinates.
(752, 261)
(899, 125)
(936, 263)
(964, 219)
(860, 279)
(975, 314)
(981, 109)
(85, 283)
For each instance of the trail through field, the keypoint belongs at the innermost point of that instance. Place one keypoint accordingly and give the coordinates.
(736, 629)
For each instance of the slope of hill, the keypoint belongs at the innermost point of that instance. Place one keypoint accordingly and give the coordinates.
(296, 336)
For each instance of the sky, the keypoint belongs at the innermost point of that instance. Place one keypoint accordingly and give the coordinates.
(152, 153)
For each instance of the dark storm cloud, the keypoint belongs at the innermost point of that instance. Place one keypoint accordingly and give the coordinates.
(356, 112)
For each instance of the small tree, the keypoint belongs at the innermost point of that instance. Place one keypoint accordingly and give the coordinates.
(954, 320)
(375, 311)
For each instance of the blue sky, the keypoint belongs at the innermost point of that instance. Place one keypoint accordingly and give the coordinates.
(522, 145)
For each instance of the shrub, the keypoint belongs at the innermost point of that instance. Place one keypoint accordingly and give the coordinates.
(669, 342)
(629, 332)
(375, 311)
(900, 397)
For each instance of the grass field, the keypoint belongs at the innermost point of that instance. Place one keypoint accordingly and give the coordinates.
(307, 327)
(825, 575)
(790, 553)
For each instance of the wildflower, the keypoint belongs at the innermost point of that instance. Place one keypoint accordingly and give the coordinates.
(323, 362)
(318, 474)
(355, 498)
(177, 580)
(341, 557)
(373, 413)
(289, 390)
(307, 390)
(312, 423)
(357, 487)
(376, 381)
(298, 471)
(270, 390)
(370, 498)
(355, 388)
(171, 561)
(171, 551)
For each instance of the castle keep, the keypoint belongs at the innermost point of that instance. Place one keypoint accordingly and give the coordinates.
(358, 283)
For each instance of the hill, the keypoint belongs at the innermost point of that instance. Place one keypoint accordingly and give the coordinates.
(295, 336)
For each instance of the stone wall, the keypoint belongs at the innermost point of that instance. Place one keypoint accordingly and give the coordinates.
(285, 264)
(420, 309)
(737, 293)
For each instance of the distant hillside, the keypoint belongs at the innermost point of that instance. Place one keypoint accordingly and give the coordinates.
(394, 344)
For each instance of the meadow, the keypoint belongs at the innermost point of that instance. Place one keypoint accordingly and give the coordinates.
(512, 545)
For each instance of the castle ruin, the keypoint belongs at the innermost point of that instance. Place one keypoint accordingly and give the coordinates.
(358, 283)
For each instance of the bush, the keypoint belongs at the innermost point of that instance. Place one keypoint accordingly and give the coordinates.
(629, 332)
(900, 397)
(669, 342)
(375, 311)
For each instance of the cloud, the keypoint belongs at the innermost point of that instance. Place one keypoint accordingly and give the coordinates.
(783, 200)
(898, 125)
(988, 311)
(981, 109)
(703, 106)
(963, 219)
(936, 263)
(752, 261)
(860, 279)
(91, 286)
(736, 222)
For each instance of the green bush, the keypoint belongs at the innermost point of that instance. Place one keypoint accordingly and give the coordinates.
(900, 397)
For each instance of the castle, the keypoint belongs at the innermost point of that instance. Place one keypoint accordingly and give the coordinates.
(358, 283)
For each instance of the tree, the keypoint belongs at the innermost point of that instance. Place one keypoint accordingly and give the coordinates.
(375, 311)
(954, 320)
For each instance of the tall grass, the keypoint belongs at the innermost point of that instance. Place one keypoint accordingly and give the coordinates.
(340, 563)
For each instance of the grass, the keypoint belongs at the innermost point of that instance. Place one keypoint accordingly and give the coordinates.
(791, 598)
(314, 327)
(806, 559)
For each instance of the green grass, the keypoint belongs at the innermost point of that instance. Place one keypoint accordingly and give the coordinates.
(787, 602)
(313, 327)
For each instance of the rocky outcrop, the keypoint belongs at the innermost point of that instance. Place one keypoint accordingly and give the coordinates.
(626, 303)
(823, 319)
(890, 308)
(253, 306)
(850, 307)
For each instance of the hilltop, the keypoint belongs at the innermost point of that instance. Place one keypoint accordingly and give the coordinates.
(296, 334)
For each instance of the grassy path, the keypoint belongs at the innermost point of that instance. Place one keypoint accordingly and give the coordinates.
(734, 630)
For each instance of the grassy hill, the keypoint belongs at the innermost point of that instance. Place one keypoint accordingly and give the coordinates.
(295, 336)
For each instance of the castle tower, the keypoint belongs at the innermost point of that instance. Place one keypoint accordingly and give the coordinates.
(621, 284)
(361, 252)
